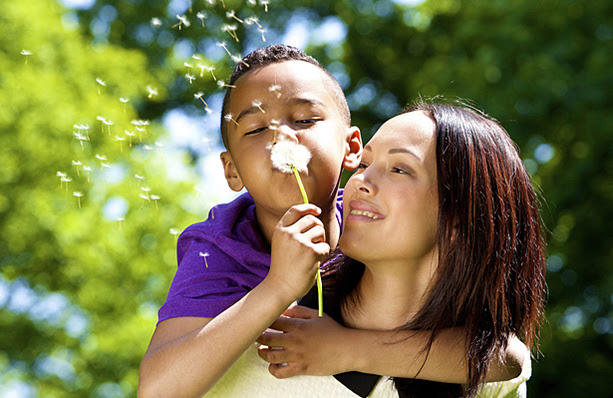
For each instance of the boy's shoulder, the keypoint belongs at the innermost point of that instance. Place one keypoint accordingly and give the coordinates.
(225, 217)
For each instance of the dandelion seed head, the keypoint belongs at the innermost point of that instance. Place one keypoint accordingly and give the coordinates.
(205, 254)
(199, 95)
(274, 87)
(256, 103)
(221, 83)
(187, 64)
(221, 44)
(25, 52)
(209, 68)
(227, 117)
(108, 122)
(139, 177)
(236, 58)
(124, 100)
(100, 82)
(129, 133)
(100, 157)
(66, 179)
(208, 110)
(143, 196)
(145, 189)
(105, 165)
(87, 168)
(60, 174)
(201, 15)
(101, 118)
(78, 194)
(286, 155)
(154, 197)
(76, 163)
(80, 136)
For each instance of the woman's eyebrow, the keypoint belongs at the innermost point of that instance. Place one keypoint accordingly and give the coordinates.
(403, 150)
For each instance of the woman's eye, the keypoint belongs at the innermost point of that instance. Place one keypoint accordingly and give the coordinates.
(399, 171)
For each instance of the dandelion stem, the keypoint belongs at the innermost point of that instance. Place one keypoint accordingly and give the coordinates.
(320, 299)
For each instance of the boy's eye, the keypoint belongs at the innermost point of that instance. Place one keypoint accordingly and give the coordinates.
(362, 166)
(306, 121)
(255, 131)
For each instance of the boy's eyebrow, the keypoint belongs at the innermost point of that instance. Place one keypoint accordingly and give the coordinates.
(248, 111)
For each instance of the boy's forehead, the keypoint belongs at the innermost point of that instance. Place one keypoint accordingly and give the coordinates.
(284, 78)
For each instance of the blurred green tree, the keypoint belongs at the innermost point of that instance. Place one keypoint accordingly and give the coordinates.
(542, 68)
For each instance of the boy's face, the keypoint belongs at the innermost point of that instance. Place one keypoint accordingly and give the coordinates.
(295, 98)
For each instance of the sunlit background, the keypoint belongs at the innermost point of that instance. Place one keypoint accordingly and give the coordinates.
(109, 147)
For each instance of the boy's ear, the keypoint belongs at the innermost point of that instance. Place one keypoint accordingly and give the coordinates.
(232, 177)
(353, 154)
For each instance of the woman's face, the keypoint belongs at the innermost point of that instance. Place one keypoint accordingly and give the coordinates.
(391, 202)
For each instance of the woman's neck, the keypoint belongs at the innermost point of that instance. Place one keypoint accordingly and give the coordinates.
(389, 294)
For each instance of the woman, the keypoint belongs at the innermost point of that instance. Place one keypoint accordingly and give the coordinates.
(441, 229)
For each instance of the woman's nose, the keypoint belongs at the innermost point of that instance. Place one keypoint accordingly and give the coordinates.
(364, 184)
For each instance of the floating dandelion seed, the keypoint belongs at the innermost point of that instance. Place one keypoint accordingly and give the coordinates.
(211, 69)
(223, 84)
(100, 82)
(199, 96)
(232, 14)
(139, 178)
(201, 67)
(156, 22)
(77, 163)
(155, 199)
(228, 118)
(66, 180)
(265, 4)
(109, 123)
(80, 137)
(211, 2)
(291, 157)
(144, 196)
(189, 77)
(160, 146)
(274, 126)
(61, 175)
(223, 3)
(262, 31)
(145, 189)
(175, 232)
(152, 92)
(182, 21)
(140, 130)
(231, 29)
(204, 256)
(197, 57)
(104, 166)
(101, 158)
(119, 220)
(78, 195)
(188, 66)
(87, 169)
(252, 2)
(198, 191)
(275, 88)
(201, 16)
(208, 110)
(26, 54)
(224, 46)
(147, 147)
(124, 101)
(253, 20)
(121, 140)
(258, 104)
(130, 134)
(103, 120)
(239, 59)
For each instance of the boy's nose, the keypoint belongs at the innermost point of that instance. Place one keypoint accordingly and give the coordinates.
(285, 132)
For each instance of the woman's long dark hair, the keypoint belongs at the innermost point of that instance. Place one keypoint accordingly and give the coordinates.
(491, 263)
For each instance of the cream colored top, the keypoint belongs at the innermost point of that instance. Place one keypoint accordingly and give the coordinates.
(249, 378)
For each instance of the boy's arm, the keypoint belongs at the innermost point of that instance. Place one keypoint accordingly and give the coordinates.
(320, 346)
(187, 355)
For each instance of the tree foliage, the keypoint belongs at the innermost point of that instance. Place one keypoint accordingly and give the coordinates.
(541, 68)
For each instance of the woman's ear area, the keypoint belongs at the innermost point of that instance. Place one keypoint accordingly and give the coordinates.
(353, 153)
(232, 177)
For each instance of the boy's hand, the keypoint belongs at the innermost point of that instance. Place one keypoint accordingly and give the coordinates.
(298, 244)
(309, 345)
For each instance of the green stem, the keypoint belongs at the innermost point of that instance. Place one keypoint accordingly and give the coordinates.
(320, 298)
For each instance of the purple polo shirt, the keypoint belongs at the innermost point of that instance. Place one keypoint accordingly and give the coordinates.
(220, 260)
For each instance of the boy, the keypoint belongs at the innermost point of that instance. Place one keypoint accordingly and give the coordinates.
(223, 295)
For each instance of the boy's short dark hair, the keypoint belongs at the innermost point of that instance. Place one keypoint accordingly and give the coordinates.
(273, 54)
